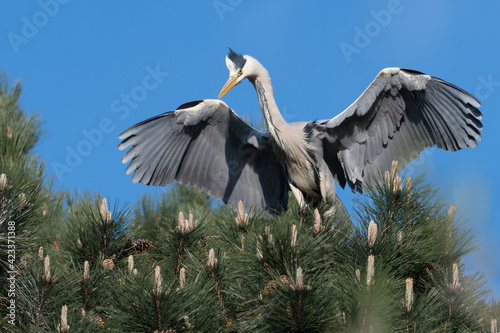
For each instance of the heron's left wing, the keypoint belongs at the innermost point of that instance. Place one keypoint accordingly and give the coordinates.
(205, 144)
(401, 113)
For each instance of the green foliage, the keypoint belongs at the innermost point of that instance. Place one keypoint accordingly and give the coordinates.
(152, 212)
(174, 263)
(92, 232)
(18, 133)
(21, 173)
(145, 302)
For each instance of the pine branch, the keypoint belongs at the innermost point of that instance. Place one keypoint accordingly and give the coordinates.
(397, 268)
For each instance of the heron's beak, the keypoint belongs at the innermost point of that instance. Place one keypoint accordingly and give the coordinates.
(229, 85)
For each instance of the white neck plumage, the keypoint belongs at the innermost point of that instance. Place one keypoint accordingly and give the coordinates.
(264, 89)
(290, 139)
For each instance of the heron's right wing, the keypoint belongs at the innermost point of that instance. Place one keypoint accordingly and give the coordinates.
(205, 144)
(401, 113)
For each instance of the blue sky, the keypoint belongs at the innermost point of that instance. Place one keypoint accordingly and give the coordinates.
(91, 69)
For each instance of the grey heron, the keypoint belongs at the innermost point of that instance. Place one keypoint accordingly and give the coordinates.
(205, 144)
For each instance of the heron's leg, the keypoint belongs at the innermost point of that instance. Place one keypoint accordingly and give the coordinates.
(329, 194)
(327, 188)
(299, 197)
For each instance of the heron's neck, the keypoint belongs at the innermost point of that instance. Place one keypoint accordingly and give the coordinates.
(272, 115)
(291, 140)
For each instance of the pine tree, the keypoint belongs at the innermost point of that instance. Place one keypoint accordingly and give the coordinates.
(21, 194)
(178, 263)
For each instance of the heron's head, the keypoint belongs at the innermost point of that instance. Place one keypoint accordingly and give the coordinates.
(240, 67)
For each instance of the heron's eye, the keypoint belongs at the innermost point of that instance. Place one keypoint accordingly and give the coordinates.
(240, 71)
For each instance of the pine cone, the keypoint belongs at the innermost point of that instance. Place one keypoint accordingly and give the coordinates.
(138, 246)
(142, 245)
(108, 264)
(98, 320)
(270, 287)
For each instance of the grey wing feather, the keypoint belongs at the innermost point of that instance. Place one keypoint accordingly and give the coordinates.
(205, 144)
(400, 114)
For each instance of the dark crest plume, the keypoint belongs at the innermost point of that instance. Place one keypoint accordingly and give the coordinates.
(236, 58)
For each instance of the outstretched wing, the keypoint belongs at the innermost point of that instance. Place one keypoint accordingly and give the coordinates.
(401, 113)
(205, 144)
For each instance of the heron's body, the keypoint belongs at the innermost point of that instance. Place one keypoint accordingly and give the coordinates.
(205, 144)
(294, 150)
